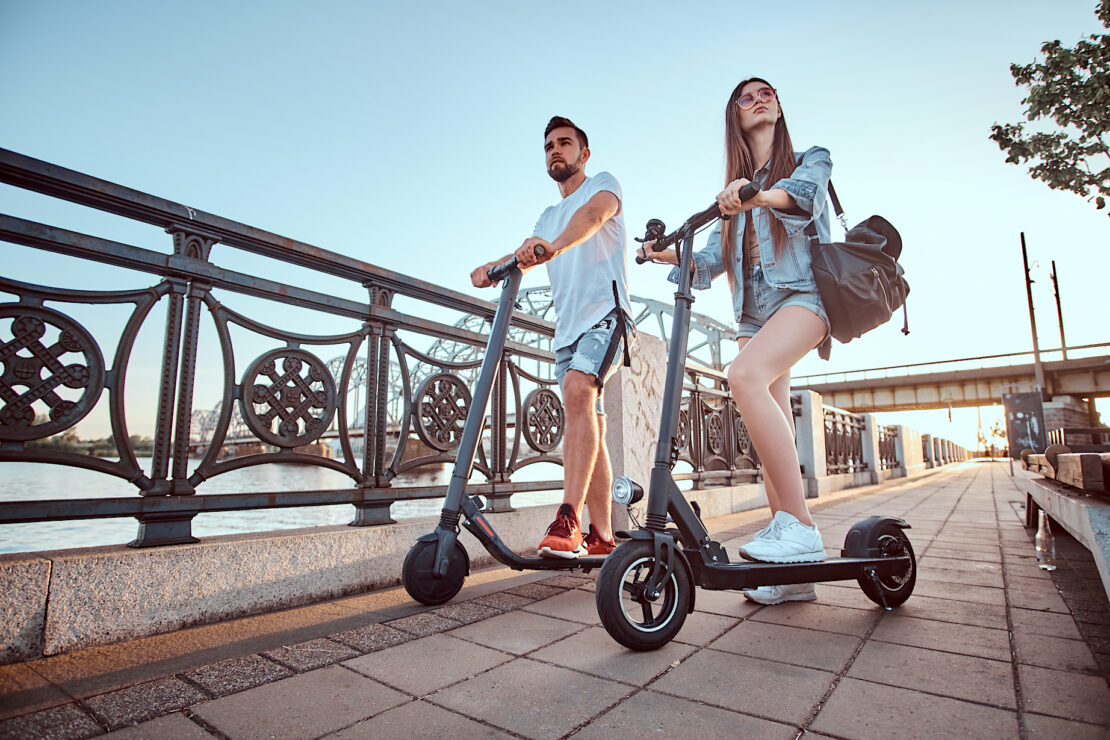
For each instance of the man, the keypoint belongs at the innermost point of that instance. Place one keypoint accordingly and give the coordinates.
(584, 242)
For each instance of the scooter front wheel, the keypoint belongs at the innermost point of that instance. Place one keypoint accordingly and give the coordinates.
(627, 611)
(422, 585)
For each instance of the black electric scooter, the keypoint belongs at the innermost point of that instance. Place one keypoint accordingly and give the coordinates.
(646, 587)
(437, 565)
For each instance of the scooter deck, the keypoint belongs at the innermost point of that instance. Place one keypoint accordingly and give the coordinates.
(720, 577)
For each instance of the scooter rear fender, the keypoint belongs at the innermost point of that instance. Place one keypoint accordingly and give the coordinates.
(861, 541)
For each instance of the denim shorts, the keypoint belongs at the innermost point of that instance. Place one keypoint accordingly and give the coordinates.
(762, 300)
(598, 352)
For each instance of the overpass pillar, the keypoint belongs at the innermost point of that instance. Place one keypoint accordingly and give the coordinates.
(927, 451)
(810, 439)
(909, 452)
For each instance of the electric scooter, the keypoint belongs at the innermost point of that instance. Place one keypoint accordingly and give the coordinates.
(645, 589)
(437, 565)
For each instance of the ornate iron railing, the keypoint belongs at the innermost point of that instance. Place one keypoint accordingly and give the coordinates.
(843, 441)
(888, 447)
(713, 439)
(55, 371)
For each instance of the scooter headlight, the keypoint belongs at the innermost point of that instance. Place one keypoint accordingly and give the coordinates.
(626, 491)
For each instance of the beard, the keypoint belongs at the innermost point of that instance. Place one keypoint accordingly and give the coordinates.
(561, 171)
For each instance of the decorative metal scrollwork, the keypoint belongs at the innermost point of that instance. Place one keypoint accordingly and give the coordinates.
(543, 420)
(683, 435)
(743, 439)
(289, 397)
(442, 402)
(38, 358)
(715, 433)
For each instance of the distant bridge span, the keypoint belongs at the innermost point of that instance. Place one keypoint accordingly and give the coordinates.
(959, 383)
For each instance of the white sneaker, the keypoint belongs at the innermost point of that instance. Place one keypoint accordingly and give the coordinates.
(779, 594)
(789, 541)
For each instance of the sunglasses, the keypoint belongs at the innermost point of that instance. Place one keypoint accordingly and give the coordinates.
(762, 95)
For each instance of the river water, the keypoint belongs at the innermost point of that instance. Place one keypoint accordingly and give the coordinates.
(36, 481)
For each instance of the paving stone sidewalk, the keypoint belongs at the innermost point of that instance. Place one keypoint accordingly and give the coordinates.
(987, 646)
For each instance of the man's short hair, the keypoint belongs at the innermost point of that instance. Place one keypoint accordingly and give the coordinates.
(559, 122)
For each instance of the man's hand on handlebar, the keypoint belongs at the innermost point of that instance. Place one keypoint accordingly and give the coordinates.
(729, 199)
(480, 279)
(526, 253)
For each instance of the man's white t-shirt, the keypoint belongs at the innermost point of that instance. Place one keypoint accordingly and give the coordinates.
(582, 278)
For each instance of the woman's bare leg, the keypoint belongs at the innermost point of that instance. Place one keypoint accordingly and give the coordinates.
(759, 378)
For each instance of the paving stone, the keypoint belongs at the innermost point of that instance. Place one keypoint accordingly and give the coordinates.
(964, 592)
(176, 726)
(419, 720)
(839, 593)
(466, 612)
(595, 652)
(983, 642)
(809, 648)
(67, 722)
(1044, 601)
(1040, 727)
(576, 605)
(237, 674)
(959, 612)
(145, 701)
(1067, 695)
(503, 601)
(859, 709)
(724, 603)
(994, 556)
(372, 637)
(567, 581)
(1055, 652)
(407, 667)
(326, 700)
(701, 628)
(818, 616)
(308, 656)
(947, 674)
(508, 697)
(23, 691)
(957, 577)
(517, 632)
(1044, 623)
(785, 693)
(650, 714)
(536, 590)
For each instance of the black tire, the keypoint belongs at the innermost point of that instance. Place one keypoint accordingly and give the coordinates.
(416, 574)
(895, 588)
(629, 617)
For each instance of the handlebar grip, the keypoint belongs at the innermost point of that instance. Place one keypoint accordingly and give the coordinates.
(748, 191)
(499, 272)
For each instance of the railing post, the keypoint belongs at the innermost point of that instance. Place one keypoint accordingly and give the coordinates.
(379, 344)
(869, 437)
(810, 440)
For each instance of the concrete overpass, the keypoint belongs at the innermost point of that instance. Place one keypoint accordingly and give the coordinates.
(977, 381)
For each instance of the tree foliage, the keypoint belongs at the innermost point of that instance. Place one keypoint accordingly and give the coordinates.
(1072, 88)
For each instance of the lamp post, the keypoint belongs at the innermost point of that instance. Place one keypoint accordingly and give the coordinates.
(1038, 368)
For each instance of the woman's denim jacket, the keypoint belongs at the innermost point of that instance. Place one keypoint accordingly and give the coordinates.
(807, 184)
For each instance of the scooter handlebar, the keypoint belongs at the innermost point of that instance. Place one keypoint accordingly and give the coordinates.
(655, 227)
(500, 272)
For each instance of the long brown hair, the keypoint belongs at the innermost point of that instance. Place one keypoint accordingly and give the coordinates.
(739, 163)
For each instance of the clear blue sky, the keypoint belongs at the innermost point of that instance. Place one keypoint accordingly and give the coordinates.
(410, 134)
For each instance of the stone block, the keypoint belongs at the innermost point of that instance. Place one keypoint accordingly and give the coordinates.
(24, 583)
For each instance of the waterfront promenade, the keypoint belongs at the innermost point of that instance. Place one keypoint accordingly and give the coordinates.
(987, 646)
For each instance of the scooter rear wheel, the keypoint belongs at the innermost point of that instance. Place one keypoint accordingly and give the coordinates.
(891, 590)
(628, 614)
(416, 574)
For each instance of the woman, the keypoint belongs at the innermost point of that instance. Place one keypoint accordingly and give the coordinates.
(765, 253)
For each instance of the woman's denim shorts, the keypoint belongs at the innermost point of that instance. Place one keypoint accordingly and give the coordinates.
(761, 301)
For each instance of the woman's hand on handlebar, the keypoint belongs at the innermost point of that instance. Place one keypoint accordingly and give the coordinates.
(729, 198)
(667, 256)
(526, 253)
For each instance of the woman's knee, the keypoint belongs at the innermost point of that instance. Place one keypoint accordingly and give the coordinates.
(744, 379)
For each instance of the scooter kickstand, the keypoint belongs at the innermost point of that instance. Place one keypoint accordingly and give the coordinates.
(874, 576)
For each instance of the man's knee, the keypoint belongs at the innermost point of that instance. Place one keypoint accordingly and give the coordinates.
(579, 389)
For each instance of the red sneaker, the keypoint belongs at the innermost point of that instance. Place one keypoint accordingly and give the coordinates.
(597, 546)
(564, 536)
